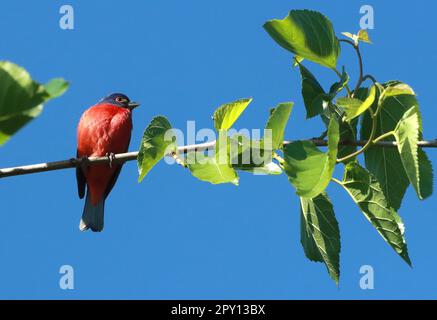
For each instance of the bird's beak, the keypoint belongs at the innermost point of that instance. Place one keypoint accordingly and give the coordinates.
(133, 105)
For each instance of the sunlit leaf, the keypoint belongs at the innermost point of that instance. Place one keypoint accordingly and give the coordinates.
(351, 36)
(396, 88)
(354, 107)
(363, 36)
(157, 141)
(56, 87)
(407, 137)
(308, 34)
(210, 169)
(308, 169)
(21, 98)
(277, 122)
(227, 114)
(216, 168)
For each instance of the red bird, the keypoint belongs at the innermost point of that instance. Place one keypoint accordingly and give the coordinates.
(103, 130)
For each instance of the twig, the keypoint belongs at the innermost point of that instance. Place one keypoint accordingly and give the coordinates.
(129, 156)
(360, 63)
(368, 76)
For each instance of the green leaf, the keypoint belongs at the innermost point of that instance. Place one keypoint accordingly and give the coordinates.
(251, 156)
(351, 36)
(363, 36)
(426, 176)
(348, 133)
(407, 136)
(366, 191)
(277, 122)
(210, 169)
(395, 88)
(158, 140)
(348, 130)
(355, 107)
(297, 60)
(308, 34)
(316, 100)
(21, 98)
(350, 105)
(385, 163)
(320, 235)
(218, 168)
(56, 87)
(356, 38)
(227, 114)
(308, 169)
(312, 93)
(338, 86)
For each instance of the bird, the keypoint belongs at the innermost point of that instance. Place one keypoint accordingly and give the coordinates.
(103, 130)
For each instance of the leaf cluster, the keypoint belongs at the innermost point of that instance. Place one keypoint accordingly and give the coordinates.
(372, 111)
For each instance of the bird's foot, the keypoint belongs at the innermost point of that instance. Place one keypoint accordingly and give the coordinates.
(111, 157)
(84, 162)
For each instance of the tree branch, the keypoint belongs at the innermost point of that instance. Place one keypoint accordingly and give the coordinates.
(129, 156)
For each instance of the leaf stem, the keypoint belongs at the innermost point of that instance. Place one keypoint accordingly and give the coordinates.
(368, 143)
(337, 181)
(278, 158)
(360, 63)
(368, 76)
(349, 93)
(383, 136)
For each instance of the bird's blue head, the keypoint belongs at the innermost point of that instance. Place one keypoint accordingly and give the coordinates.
(119, 100)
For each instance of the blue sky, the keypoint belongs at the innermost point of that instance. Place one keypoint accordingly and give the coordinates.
(172, 236)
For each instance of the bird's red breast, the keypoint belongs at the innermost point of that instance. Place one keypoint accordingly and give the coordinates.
(103, 129)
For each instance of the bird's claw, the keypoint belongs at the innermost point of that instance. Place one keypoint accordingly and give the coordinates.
(111, 157)
(84, 162)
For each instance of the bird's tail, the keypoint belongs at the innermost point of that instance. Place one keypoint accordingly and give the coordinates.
(92, 216)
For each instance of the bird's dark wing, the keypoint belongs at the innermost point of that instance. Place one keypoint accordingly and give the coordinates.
(81, 182)
(113, 180)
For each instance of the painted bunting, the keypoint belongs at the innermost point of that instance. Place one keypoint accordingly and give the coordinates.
(103, 130)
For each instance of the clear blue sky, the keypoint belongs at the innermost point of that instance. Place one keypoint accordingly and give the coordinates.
(173, 236)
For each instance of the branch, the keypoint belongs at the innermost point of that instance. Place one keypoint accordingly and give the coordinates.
(129, 156)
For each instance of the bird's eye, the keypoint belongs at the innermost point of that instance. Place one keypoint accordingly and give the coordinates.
(119, 99)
